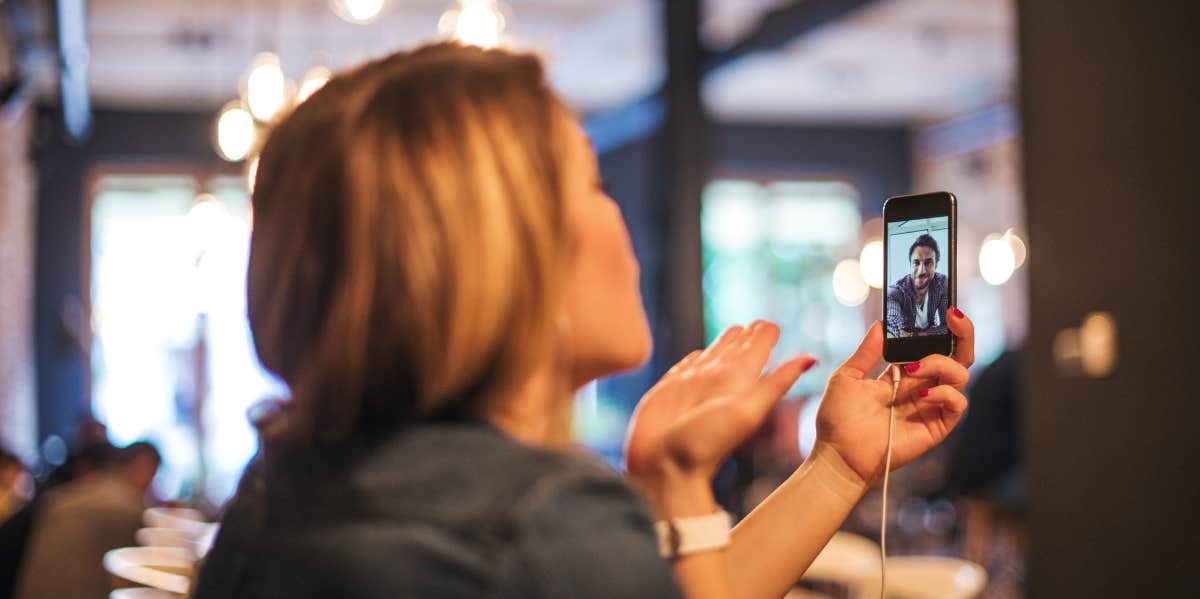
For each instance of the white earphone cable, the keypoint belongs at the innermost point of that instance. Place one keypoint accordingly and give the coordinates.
(887, 468)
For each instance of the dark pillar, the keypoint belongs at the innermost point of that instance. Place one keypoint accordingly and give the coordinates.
(684, 171)
(1110, 96)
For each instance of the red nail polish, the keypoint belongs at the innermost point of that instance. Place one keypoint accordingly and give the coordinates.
(912, 367)
(923, 393)
(959, 313)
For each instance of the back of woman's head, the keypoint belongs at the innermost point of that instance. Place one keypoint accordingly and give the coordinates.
(407, 224)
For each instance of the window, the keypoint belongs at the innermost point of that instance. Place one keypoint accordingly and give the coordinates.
(770, 251)
(172, 358)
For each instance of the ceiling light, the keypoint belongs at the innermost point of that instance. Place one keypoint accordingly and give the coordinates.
(848, 284)
(266, 87)
(1019, 250)
(871, 263)
(235, 132)
(474, 22)
(359, 12)
(996, 260)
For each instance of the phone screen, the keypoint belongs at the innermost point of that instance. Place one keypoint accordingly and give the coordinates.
(919, 270)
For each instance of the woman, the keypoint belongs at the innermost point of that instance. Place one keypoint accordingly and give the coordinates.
(434, 270)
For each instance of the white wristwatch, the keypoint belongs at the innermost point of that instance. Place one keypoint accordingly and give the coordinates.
(685, 536)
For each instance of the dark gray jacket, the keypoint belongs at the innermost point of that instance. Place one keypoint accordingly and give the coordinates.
(441, 510)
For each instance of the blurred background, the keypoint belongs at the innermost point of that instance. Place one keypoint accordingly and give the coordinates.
(750, 144)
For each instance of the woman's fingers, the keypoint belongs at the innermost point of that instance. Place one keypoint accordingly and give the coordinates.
(964, 331)
(726, 339)
(772, 386)
(945, 397)
(754, 348)
(741, 356)
(940, 368)
(868, 354)
(683, 364)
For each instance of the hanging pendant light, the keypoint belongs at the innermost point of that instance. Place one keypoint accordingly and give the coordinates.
(475, 22)
(359, 12)
(235, 131)
(266, 87)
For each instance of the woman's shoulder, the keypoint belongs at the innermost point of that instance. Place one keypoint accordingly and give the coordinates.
(462, 497)
(454, 473)
(481, 468)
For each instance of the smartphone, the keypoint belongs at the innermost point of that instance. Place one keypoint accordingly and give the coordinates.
(920, 247)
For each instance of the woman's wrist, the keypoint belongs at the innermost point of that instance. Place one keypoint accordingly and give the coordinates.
(836, 473)
(676, 494)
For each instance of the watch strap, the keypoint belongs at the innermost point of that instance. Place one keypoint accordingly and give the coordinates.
(678, 537)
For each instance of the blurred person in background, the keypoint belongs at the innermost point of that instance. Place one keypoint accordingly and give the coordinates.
(435, 269)
(986, 473)
(90, 456)
(16, 485)
(78, 522)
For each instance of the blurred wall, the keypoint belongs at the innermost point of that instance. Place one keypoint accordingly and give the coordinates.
(17, 207)
(1111, 108)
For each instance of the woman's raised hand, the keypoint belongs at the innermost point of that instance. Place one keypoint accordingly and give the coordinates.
(705, 406)
(853, 418)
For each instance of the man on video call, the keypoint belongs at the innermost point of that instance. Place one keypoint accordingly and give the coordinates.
(917, 303)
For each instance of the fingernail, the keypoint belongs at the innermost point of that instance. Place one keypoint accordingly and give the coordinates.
(810, 366)
(923, 393)
(912, 367)
(959, 313)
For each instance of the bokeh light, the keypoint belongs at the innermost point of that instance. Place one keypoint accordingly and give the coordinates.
(871, 263)
(235, 132)
(996, 260)
(474, 22)
(848, 284)
(359, 12)
(1019, 249)
(266, 87)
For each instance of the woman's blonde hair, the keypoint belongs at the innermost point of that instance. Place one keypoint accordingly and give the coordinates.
(408, 228)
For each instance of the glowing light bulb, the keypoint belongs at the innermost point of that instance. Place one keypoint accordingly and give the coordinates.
(996, 260)
(1098, 344)
(235, 132)
(848, 284)
(266, 87)
(359, 12)
(206, 216)
(314, 79)
(475, 22)
(1019, 250)
(871, 263)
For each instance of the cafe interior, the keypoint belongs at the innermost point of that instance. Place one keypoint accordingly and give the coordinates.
(750, 146)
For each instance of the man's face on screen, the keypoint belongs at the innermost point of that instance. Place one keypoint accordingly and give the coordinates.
(924, 264)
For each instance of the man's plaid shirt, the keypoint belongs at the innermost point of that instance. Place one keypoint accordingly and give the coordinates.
(902, 306)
